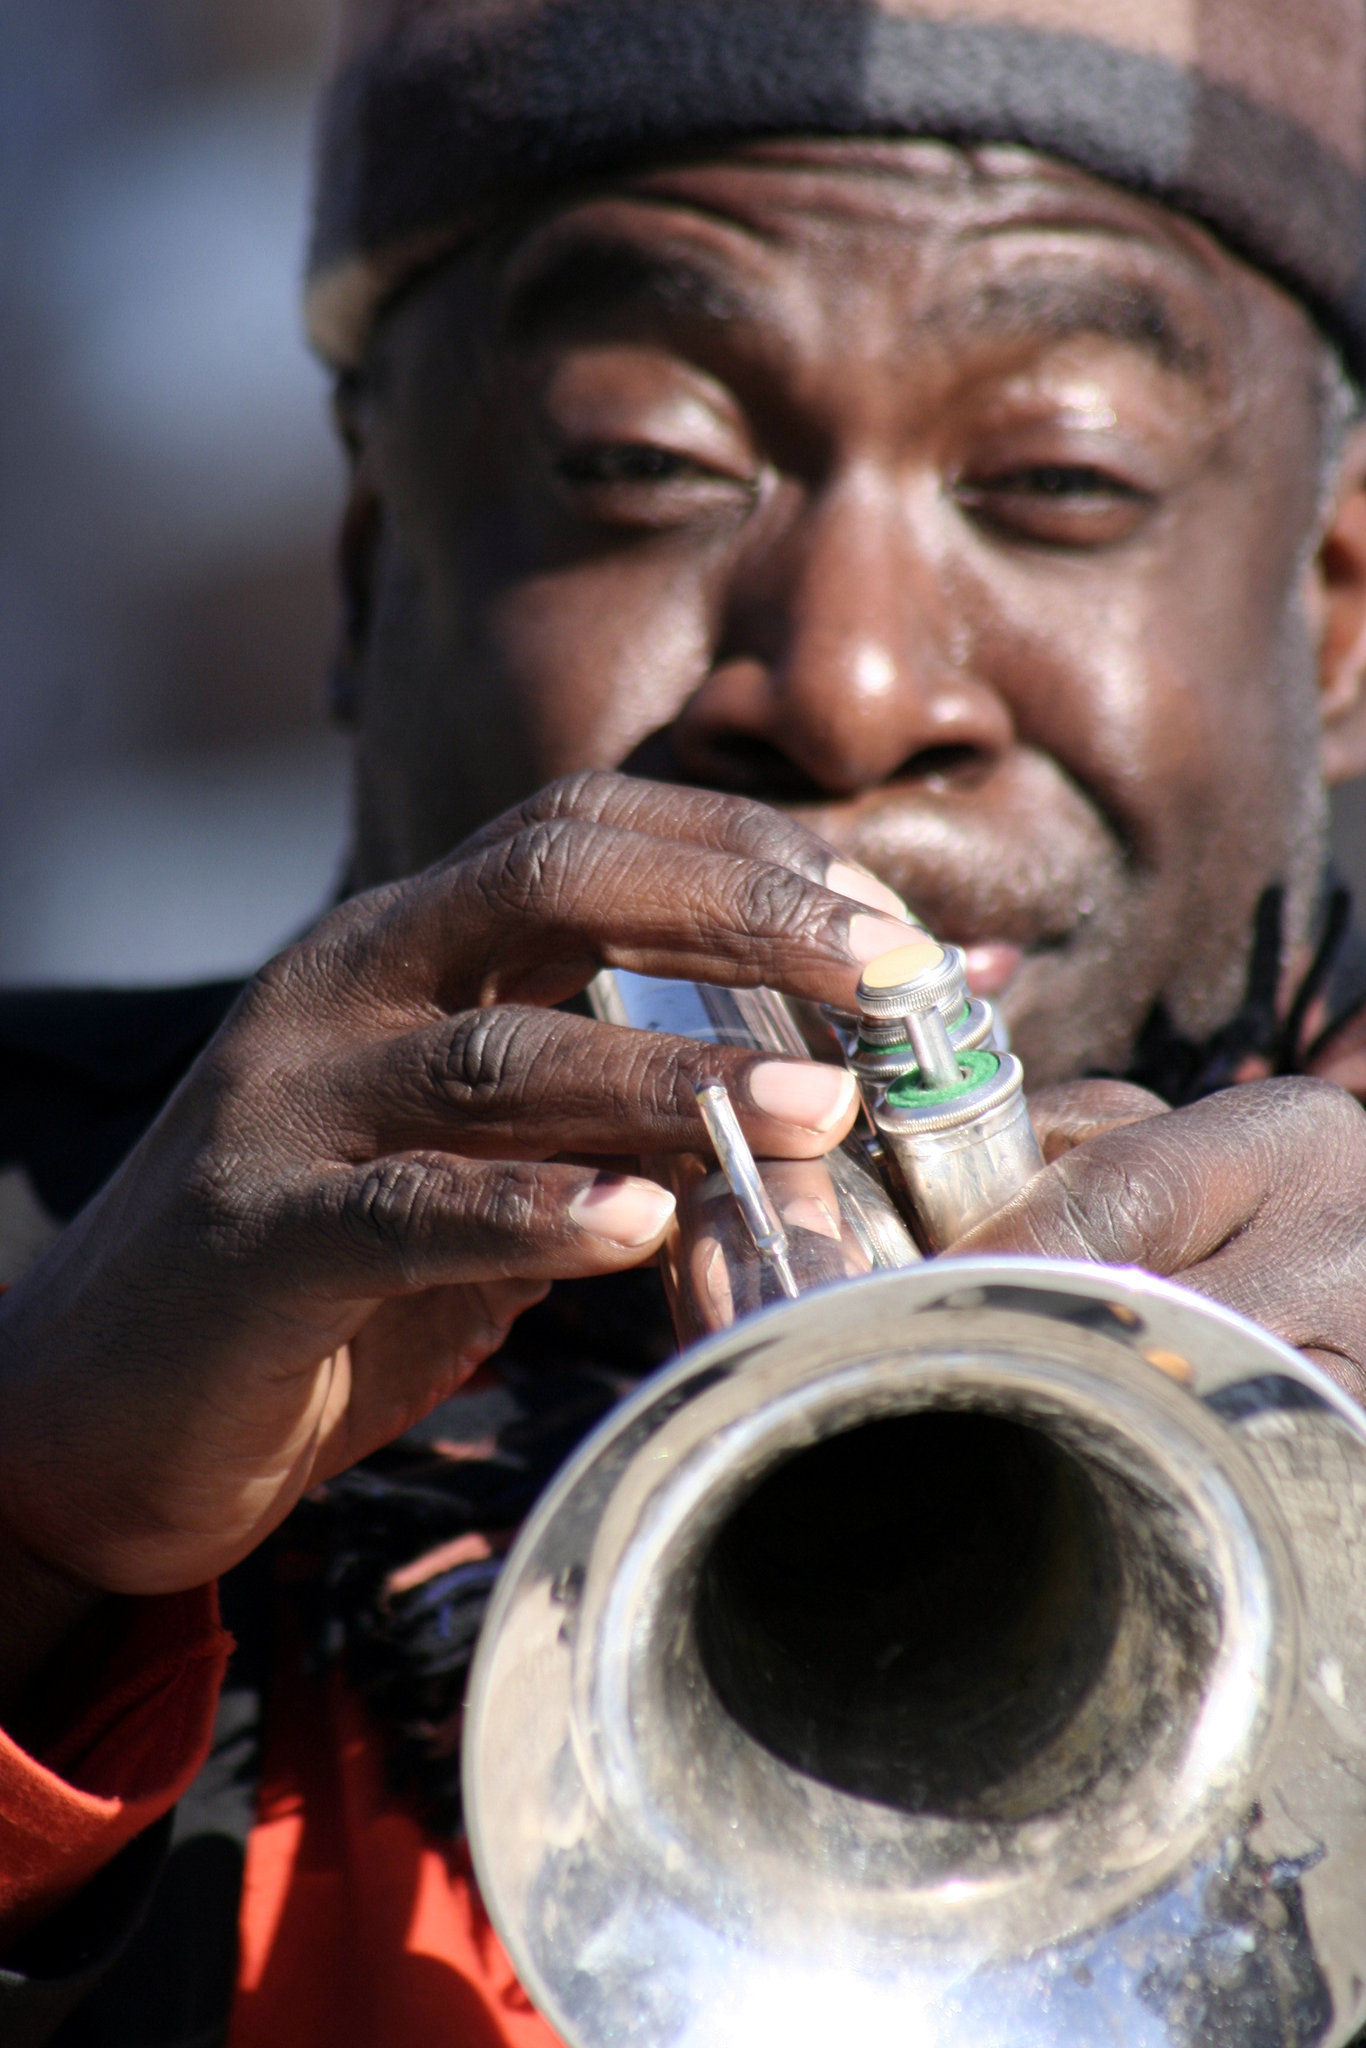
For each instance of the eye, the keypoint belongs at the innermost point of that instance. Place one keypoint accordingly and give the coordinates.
(642, 484)
(1066, 504)
(1064, 480)
(626, 462)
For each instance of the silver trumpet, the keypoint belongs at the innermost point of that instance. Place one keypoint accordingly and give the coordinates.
(961, 1654)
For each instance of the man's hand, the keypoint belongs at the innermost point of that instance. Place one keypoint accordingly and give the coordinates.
(1256, 1197)
(366, 1176)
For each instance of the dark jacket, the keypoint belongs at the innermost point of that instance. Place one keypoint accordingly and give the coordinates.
(146, 1955)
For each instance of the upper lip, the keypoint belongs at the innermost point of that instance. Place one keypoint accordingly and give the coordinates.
(988, 976)
(987, 902)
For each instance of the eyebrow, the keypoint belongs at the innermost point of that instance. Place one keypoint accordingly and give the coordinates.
(582, 279)
(1130, 311)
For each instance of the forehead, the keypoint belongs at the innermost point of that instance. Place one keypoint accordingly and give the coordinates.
(954, 244)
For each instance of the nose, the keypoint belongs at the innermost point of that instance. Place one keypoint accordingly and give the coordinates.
(841, 664)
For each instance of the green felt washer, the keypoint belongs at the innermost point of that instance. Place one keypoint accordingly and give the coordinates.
(977, 1067)
(953, 1023)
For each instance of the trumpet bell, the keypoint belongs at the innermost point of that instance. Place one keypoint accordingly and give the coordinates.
(970, 1656)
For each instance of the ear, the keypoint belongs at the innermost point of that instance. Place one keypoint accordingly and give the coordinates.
(1340, 601)
(357, 550)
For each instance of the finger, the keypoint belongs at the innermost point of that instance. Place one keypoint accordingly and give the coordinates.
(803, 1193)
(535, 915)
(1281, 1283)
(1347, 1372)
(1341, 1057)
(516, 1082)
(699, 817)
(1299, 1266)
(419, 1219)
(1266, 1181)
(661, 810)
(1164, 1193)
(437, 1339)
(1073, 1112)
(415, 1351)
(1289, 1288)
(1253, 1197)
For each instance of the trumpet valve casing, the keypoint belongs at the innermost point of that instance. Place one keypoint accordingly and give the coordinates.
(949, 1109)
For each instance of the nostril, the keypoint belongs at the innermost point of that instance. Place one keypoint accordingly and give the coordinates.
(943, 765)
(749, 766)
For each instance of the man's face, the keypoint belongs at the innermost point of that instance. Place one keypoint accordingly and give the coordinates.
(958, 505)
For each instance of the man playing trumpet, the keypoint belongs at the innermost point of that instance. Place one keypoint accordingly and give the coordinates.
(806, 460)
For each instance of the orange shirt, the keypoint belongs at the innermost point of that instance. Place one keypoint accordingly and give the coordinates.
(357, 1929)
(137, 1734)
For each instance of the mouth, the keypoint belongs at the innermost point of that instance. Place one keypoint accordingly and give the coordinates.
(992, 965)
(1008, 901)
(988, 877)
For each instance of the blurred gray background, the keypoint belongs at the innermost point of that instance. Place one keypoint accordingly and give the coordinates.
(172, 803)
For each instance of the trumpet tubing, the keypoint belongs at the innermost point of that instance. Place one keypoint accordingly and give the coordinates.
(961, 1655)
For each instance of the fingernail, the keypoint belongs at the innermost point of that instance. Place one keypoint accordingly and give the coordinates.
(622, 1209)
(862, 888)
(869, 936)
(793, 1092)
(809, 1212)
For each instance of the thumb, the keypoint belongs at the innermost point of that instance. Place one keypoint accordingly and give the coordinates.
(1070, 1113)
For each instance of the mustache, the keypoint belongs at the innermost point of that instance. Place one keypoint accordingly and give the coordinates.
(983, 879)
(1035, 874)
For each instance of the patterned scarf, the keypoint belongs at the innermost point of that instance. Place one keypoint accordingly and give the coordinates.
(393, 1562)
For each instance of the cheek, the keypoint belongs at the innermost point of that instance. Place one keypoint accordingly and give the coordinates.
(1229, 707)
(600, 655)
(1164, 710)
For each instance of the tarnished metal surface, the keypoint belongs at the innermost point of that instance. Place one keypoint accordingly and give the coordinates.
(961, 1163)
